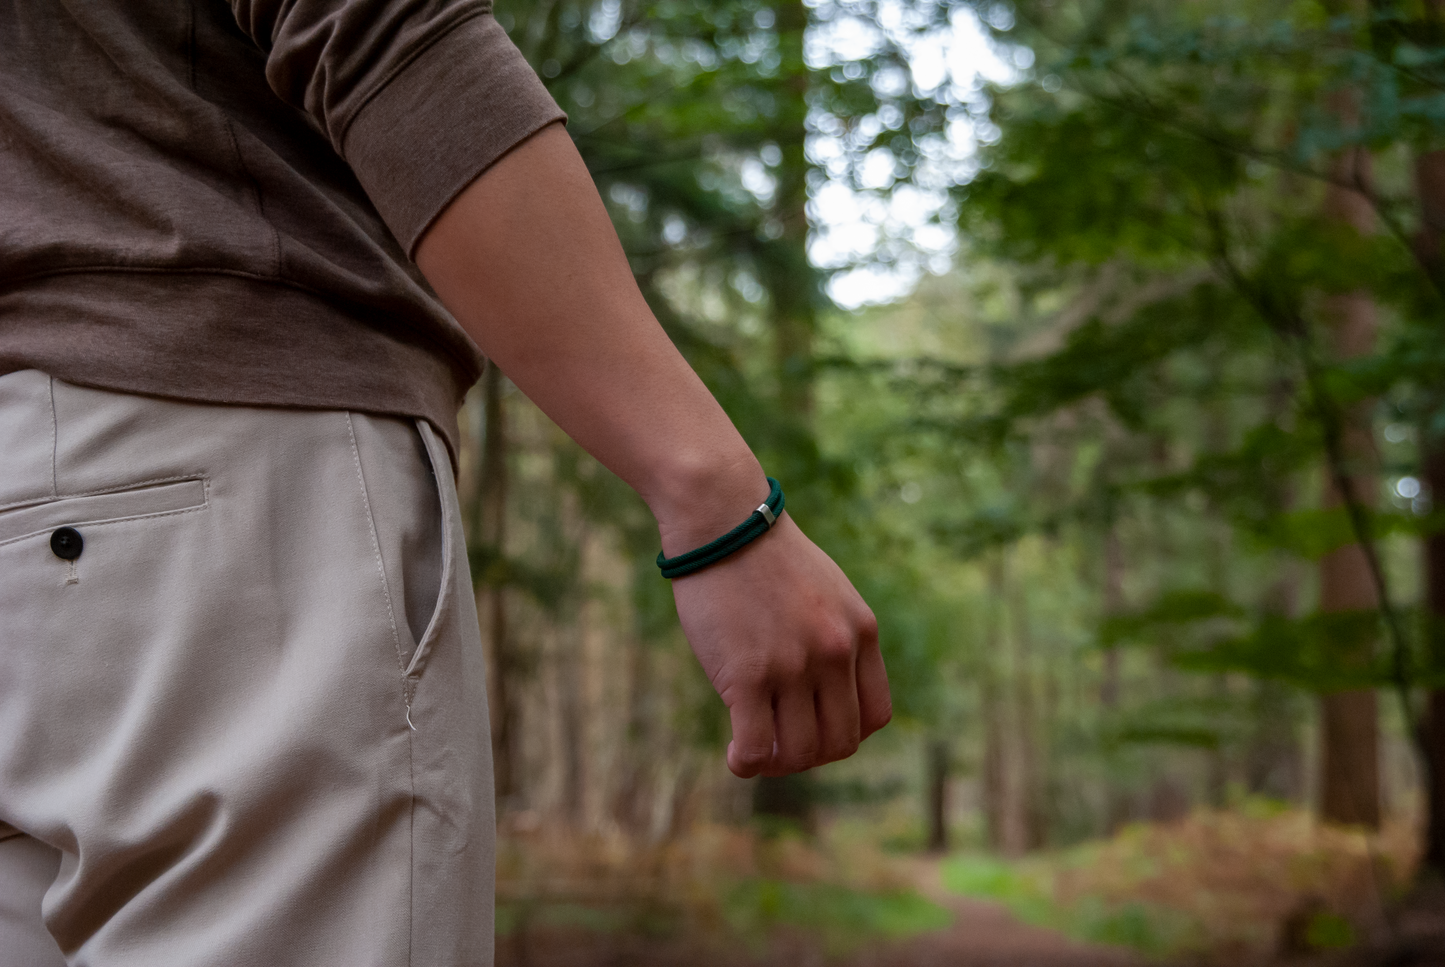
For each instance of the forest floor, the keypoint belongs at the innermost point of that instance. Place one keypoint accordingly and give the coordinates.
(1217, 888)
(983, 934)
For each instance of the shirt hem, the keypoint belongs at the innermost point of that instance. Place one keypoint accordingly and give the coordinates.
(227, 339)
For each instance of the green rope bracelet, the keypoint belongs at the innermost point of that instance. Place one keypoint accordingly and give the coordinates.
(759, 523)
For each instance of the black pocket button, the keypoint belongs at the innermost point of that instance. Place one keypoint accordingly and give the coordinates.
(67, 543)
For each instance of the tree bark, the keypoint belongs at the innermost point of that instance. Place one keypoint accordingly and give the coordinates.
(1432, 726)
(1430, 187)
(939, 753)
(1349, 720)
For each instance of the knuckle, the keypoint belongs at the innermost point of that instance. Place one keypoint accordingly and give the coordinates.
(868, 626)
(840, 646)
(834, 648)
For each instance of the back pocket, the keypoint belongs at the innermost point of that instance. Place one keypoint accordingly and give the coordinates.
(153, 499)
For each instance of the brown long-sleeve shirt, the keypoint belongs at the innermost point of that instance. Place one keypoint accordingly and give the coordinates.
(219, 202)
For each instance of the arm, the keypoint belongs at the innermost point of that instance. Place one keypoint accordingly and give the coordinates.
(527, 261)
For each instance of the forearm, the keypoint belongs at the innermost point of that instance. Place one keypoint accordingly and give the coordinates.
(527, 261)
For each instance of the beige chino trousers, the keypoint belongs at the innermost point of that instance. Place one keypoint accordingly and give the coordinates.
(246, 726)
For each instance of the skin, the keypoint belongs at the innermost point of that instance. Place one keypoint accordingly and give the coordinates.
(527, 261)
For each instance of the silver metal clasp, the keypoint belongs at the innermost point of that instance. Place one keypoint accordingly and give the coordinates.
(768, 515)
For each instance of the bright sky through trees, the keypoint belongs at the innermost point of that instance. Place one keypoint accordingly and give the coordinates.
(880, 237)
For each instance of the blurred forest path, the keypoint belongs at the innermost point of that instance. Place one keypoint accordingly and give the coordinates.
(983, 934)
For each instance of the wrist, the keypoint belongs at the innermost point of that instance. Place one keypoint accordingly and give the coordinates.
(702, 497)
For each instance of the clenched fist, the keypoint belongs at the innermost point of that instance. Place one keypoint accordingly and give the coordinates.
(791, 648)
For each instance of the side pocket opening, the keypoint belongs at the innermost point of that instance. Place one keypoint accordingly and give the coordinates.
(442, 474)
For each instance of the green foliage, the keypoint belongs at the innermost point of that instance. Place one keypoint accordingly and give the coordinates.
(512, 917)
(1165, 167)
(985, 877)
(844, 918)
(1152, 930)
(1329, 931)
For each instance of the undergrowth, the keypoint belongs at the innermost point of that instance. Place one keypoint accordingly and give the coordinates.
(1216, 884)
(1214, 887)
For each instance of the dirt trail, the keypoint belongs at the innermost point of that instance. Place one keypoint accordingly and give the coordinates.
(986, 935)
(982, 935)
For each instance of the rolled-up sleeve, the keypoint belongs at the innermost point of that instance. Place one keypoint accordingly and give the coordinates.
(419, 96)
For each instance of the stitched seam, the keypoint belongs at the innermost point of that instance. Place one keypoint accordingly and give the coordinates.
(121, 489)
(376, 551)
(411, 844)
(54, 442)
(109, 520)
(255, 191)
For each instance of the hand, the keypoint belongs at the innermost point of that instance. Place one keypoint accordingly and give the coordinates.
(527, 261)
(792, 649)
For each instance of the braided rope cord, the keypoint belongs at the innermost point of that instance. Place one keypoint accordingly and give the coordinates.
(757, 524)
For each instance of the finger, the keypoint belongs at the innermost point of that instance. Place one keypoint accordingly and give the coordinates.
(838, 717)
(795, 718)
(751, 748)
(875, 705)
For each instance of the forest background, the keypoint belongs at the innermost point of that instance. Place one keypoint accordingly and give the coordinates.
(1102, 343)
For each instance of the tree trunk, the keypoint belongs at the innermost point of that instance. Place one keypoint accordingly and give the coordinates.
(995, 728)
(1430, 184)
(1006, 766)
(1113, 605)
(491, 531)
(1433, 735)
(1274, 761)
(1026, 729)
(1349, 721)
(631, 803)
(1116, 805)
(569, 702)
(1217, 765)
(1432, 727)
(939, 754)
